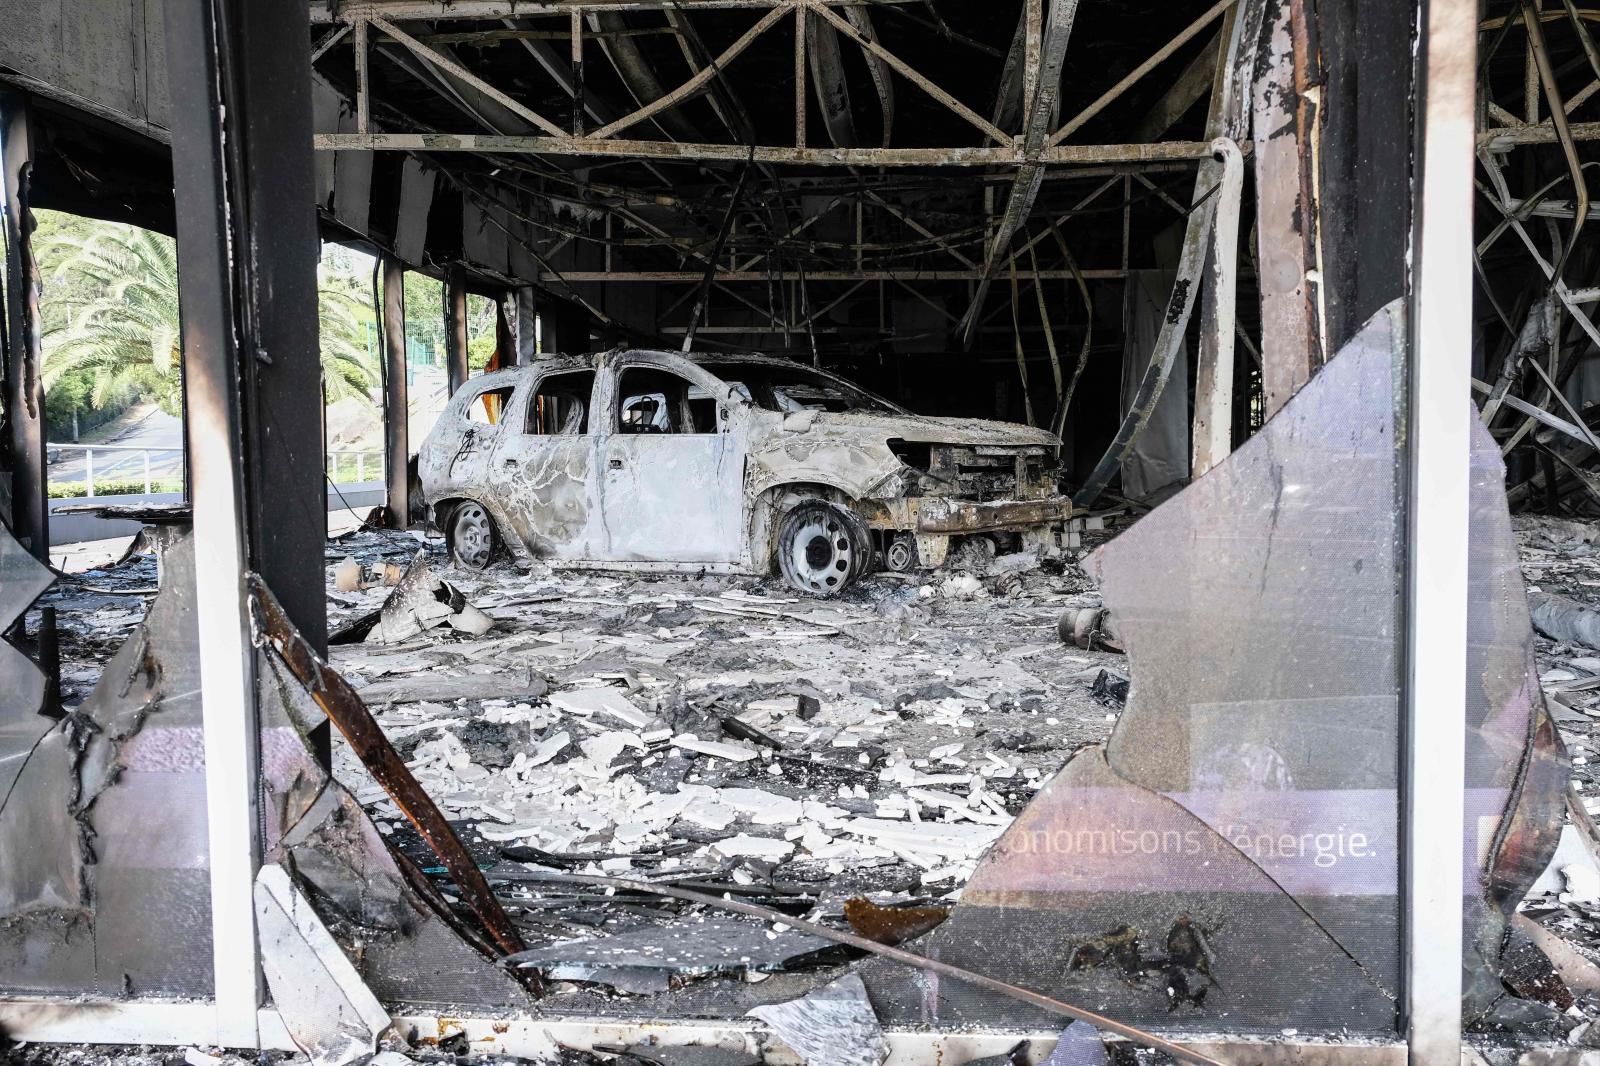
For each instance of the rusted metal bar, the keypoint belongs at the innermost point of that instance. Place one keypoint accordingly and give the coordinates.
(690, 276)
(1041, 110)
(576, 30)
(900, 955)
(455, 334)
(1558, 122)
(1049, 332)
(709, 274)
(363, 90)
(1161, 55)
(343, 706)
(861, 19)
(906, 71)
(695, 82)
(1022, 359)
(450, 66)
(801, 31)
(333, 37)
(1159, 152)
(1212, 434)
(1058, 427)
(326, 11)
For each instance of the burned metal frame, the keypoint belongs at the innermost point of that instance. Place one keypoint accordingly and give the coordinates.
(1038, 150)
(22, 372)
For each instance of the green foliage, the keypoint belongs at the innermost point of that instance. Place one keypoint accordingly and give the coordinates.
(110, 328)
(110, 313)
(71, 490)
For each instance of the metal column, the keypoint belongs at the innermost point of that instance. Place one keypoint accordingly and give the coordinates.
(455, 334)
(24, 386)
(247, 247)
(526, 301)
(1440, 415)
(396, 441)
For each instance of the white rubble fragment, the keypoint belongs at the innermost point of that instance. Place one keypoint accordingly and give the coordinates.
(546, 749)
(1583, 884)
(608, 700)
(745, 846)
(716, 748)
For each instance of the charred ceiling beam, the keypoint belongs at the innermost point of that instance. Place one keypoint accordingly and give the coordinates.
(1162, 151)
(1041, 74)
(726, 276)
(637, 74)
(325, 11)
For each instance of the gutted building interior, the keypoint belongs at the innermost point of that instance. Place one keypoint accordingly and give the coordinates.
(898, 531)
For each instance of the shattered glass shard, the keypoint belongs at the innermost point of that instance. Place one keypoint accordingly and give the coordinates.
(1231, 856)
(833, 1026)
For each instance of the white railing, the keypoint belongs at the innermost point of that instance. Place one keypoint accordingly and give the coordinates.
(360, 455)
(107, 462)
(120, 458)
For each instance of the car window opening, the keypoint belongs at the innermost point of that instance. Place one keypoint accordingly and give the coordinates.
(560, 406)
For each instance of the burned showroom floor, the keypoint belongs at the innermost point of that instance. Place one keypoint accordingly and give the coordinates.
(817, 757)
(702, 727)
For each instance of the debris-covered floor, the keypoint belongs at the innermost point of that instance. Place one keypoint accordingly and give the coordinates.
(716, 730)
(722, 734)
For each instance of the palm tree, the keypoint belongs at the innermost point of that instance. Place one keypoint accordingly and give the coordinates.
(348, 368)
(111, 317)
(111, 312)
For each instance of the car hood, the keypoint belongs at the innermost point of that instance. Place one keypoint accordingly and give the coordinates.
(930, 430)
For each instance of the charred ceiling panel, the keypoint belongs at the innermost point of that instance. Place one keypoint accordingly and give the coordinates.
(416, 200)
(1230, 858)
(106, 889)
(106, 55)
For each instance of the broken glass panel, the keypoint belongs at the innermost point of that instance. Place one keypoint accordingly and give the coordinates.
(22, 580)
(106, 886)
(1230, 858)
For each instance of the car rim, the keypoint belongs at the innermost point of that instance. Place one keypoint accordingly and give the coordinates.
(901, 554)
(821, 553)
(473, 536)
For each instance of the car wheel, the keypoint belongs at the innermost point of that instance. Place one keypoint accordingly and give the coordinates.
(472, 536)
(822, 548)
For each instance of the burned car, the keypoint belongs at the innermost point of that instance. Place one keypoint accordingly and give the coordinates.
(650, 460)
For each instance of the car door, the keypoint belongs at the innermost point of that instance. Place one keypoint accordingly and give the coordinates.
(672, 486)
(543, 468)
(470, 429)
